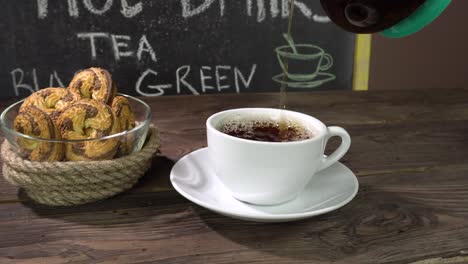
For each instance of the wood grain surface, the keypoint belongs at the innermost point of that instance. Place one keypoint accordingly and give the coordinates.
(410, 151)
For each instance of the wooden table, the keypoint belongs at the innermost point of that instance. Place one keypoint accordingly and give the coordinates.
(410, 151)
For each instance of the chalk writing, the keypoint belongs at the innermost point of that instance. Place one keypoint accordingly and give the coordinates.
(159, 51)
(159, 88)
(54, 76)
(220, 77)
(17, 76)
(274, 8)
(211, 79)
(189, 8)
(304, 9)
(19, 84)
(92, 36)
(189, 11)
(42, 8)
(261, 13)
(321, 19)
(127, 10)
(144, 46)
(131, 11)
(181, 79)
(119, 44)
(93, 9)
(73, 8)
(317, 59)
(204, 77)
(240, 77)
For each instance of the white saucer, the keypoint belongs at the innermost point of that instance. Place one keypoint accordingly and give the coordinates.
(194, 178)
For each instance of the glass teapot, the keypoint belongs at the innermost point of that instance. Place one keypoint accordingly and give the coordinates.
(392, 18)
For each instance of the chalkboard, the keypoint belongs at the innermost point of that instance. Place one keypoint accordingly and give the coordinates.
(167, 47)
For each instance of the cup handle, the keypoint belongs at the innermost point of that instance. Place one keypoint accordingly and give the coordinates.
(328, 64)
(340, 151)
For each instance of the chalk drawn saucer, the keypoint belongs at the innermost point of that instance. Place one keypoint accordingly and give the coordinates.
(320, 78)
(194, 178)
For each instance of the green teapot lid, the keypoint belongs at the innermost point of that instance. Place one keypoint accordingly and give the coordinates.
(422, 17)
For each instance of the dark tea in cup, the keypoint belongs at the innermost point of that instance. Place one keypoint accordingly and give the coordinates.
(266, 130)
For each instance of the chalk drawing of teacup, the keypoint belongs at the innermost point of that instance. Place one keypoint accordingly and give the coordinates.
(305, 63)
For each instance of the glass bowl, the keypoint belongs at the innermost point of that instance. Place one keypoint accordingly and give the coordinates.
(103, 148)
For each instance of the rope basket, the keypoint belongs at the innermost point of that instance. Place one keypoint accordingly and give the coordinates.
(77, 182)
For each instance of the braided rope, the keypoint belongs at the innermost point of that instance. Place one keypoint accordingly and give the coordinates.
(77, 182)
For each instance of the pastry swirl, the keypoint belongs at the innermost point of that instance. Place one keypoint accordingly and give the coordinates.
(50, 100)
(35, 122)
(89, 119)
(124, 113)
(126, 117)
(93, 83)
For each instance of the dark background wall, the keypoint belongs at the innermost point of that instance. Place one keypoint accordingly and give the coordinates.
(166, 47)
(436, 57)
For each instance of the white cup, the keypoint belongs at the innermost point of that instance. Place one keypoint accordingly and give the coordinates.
(269, 173)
